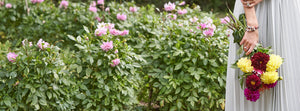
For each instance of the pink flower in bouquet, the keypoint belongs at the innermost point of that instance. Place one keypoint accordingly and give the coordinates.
(124, 32)
(98, 19)
(211, 26)
(172, 16)
(64, 4)
(133, 9)
(93, 9)
(121, 17)
(100, 31)
(11, 56)
(253, 82)
(110, 26)
(42, 44)
(208, 32)
(181, 12)
(259, 61)
(107, 9)
(8, 5)
(106, 46)
(271, 85)
(225, 20)
(101, 2)
(114, 32)
(169, 6)
(116, 51)
(194, 19)
(181, 3)
(115, 62)
(251, 95)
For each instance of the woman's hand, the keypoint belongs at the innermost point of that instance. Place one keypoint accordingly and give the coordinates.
(249, 41)
(250, 3)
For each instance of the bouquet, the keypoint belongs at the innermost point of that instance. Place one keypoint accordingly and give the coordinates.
(259, 68)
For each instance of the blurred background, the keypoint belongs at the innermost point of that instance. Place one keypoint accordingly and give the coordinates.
(206, 5)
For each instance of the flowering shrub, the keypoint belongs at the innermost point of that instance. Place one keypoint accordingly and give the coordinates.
(34, 79)
(106, 72)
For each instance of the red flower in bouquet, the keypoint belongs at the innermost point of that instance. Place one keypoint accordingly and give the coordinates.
(259, 61)
(253, 82)
(251, 95)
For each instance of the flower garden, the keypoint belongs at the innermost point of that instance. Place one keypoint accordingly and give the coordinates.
(111, 56)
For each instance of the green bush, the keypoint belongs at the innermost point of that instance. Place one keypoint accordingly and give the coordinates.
(35, 81)
(168, 64)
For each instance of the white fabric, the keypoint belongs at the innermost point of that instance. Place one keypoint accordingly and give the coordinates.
(279, 22)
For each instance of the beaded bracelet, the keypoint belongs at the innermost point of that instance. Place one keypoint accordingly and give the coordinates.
(251, 28)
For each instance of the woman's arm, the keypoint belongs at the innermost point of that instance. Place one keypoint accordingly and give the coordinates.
(250, 3)
(250, 38)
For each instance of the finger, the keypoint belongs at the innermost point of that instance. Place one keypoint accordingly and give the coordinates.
(250, 50)
(246, 46)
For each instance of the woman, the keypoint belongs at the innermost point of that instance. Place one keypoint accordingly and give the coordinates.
(279, 27)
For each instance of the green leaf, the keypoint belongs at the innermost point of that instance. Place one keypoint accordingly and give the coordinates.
(91, 59)
(86, 29)
(88, 72)
(80, 96)
(49, 95)
(89, 105)
(7, 102)
(72, 37)
(79, 69)
(179, 104)
(99, 62)
(173, 108)
(178, 66)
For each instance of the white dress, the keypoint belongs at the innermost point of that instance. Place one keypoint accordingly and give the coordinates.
(279, 22)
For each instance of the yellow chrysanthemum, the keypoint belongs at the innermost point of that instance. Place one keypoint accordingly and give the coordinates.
(269, 77)
(274, 63)
(245, 65)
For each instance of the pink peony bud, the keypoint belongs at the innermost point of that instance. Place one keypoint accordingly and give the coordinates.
(225, 20)
(181, 12)
(124, 32)
(93, 9)
(116, 51)
(114, 32)
(98, 19)
(107, 9)
(11, 56)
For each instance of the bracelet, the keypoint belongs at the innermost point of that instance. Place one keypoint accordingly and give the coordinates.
(251, 28)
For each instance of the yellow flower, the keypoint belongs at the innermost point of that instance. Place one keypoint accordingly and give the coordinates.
(269, 77)
(274, 63)
(245, 65)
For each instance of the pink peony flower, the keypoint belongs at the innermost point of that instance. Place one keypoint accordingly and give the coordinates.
(211, 26)
(110, 26)
(115, 62)
(100, 31)
(42, 44)
(64, 4)
(251, 95)
(169, 6)
(114, 32)
(39, 1)
(133, 9)
(181, 3)
(194, 19)
(124, 32)
(225, 20)
(106, 46)
(93, 9)
(98, 19)
(181, 12)
(202, 25)
(172, 16)
(107, 9)
(11, 56)
(100, 2)
(121, 17)
(208, 32)
(8, 5)
(93, 4)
